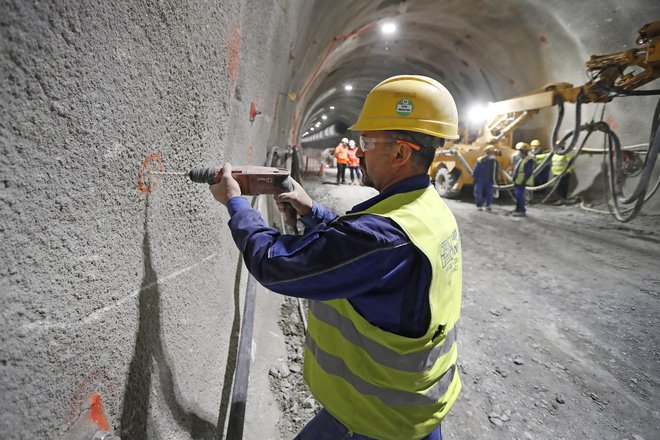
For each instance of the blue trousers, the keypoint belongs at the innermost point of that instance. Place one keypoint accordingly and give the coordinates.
(325, 427)
(519, 194)
(483, 190)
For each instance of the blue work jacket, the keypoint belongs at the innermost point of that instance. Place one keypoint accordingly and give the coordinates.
(365, 258)
(485, 170)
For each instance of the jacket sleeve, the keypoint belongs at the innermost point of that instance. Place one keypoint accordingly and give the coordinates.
(529, 169)
(319, 214)
(327, 262)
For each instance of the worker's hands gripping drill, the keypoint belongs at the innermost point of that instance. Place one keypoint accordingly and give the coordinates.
(296, 198)
(292, 203)
(227, 188)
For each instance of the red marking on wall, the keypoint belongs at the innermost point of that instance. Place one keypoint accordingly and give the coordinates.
(250, 155)
(511, 9)
(275, 111)
(543, 40)
(98, 380)
(611, 121)
(468, 36)
(233, 49)
(148, 182)
(97, 413)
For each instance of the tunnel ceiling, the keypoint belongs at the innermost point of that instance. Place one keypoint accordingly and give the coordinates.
(481, 50)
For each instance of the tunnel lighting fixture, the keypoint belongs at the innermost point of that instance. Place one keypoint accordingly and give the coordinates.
(324, 117)
(478, 114)
(388, 28)
(318, 124)
(348, 87)
(332, 107)
(311, 128)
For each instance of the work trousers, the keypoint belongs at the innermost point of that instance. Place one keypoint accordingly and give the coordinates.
(483, 191)
(355, 170)
(341, 172)
(519, 194)
(562, 187)
(325, 427)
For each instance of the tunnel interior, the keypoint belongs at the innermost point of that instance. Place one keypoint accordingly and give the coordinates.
(116, 282)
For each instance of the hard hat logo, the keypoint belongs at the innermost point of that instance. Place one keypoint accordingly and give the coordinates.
(404, 107)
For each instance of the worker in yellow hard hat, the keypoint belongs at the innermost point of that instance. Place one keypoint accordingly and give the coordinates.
(381, 353)
(522, 177)
(484, 175)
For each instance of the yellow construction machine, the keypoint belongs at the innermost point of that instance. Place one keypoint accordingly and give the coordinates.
(612, 75)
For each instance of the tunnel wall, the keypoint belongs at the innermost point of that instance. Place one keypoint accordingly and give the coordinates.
(113, 281)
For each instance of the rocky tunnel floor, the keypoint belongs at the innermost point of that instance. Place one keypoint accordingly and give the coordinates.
(560, 334)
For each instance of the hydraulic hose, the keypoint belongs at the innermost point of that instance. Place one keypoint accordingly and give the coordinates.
(558, 147)
(622, 91)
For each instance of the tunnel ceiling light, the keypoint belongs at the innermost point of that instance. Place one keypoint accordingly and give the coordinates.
(478, 114)
(312, 128)
(348, 87)
(332, 107)
(324, 117)
(388, 28)
(318, 124)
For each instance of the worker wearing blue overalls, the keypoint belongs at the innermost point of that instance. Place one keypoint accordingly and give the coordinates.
(485, 176)
(523, 175)
(384, 280)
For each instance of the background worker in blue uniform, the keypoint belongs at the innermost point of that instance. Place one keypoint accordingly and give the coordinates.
(522, 177)
(384, 280)
(485, 176)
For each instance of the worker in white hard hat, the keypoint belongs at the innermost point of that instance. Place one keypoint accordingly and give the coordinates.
(384, 281)
(522, 177)
(341, 154)
(484, 175)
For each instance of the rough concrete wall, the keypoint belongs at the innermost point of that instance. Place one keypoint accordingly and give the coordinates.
(104, 287)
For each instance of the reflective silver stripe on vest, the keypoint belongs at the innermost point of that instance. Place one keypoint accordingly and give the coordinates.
(417, 362)
(392, 398)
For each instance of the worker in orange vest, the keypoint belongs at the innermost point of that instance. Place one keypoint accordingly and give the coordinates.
(353, 163)
(341, 154)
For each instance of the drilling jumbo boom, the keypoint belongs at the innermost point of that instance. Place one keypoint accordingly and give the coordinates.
(612, 75)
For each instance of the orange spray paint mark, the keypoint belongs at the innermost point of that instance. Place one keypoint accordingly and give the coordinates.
(99, 379)
(233, 48)
(148, 182)
(97, 413)
(611, 121)
(543, 40)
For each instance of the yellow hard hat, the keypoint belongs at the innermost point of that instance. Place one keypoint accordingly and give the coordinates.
(535, 143)
(522, 146)
(410, 102)
(490, 148)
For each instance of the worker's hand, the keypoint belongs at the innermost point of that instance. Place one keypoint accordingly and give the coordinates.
(298, 198)
(227, 187)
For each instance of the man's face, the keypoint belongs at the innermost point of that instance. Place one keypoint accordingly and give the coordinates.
(375, 162)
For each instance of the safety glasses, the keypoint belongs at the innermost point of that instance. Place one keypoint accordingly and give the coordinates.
(369, 143)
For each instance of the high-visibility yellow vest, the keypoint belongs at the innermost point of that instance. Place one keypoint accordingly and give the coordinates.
(559, 162)
(378, 383)
(519, 172)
